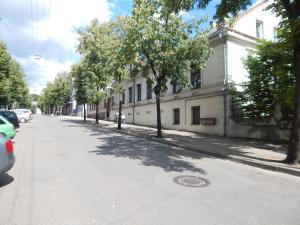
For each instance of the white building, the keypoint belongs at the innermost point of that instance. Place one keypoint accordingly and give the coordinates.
(206, 107)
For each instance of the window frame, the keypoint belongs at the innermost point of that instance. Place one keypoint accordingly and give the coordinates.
(175, 122)
(139, 92)
(259, 28)
(176, 88)
(194, 122)
(130, 96)
(193, 75)
(149, 91)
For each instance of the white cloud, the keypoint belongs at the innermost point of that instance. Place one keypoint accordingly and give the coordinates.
(53, 36)
(40, 72)
(68, 14)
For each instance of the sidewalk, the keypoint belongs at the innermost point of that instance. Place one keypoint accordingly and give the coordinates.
(256, 153)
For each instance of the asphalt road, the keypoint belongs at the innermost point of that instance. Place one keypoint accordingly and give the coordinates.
(67, 173)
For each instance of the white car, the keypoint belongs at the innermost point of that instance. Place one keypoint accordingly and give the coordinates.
(23, 115)
(116, 119)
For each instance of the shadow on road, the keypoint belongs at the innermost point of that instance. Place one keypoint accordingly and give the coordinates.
(5, 179)
(148, 152)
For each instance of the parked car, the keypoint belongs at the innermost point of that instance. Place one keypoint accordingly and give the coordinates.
(12, 117)
(25, 111)
(116, 119)
(7, 158)
(22, 116)
(6, 128)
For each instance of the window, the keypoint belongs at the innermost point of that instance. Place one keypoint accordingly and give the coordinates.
(176, 116)
(149, 91)
(196, 115)
(176, 87)
(130, 95)
(196, 78)
(259, 29)
(123, 98)
(139, 92)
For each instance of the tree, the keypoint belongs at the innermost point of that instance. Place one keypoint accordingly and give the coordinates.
(167, 47)
(94, 46)
(18, 90)
(271, 79)
(56, 94)
(4, 75)
(14, 91)
(80, 85)
(121, 57)
(289, 12)
(61, 90)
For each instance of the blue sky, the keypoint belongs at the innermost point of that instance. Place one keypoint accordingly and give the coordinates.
(123, 7)
(46, 28)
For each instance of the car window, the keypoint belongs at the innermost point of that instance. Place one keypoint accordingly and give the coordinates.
(10, 114)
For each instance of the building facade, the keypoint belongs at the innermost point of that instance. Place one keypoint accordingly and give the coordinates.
(205, 108)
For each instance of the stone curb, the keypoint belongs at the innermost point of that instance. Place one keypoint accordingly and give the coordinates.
(216, 155)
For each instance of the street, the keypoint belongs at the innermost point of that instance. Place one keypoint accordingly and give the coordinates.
(69, 173)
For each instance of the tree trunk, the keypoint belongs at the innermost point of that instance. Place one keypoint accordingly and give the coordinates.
(120, 115)
(97, 112)
(120, 107)
(84, 113)
(159, 133)
(293, 154)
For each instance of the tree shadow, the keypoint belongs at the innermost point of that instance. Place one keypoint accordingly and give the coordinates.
(5, 179)
(149, 153)
(224, 147)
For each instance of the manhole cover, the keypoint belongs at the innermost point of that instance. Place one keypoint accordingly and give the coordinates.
(191, 181)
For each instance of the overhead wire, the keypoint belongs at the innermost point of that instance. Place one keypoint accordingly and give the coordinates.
(37, 29)
(32, 26)
(46, 18)
(39, 13)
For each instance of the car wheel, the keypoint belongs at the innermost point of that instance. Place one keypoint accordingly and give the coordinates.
(22, 120)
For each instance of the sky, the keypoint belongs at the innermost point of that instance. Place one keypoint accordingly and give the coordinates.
(46, 29)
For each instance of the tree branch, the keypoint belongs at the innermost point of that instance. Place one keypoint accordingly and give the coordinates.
(289, 8)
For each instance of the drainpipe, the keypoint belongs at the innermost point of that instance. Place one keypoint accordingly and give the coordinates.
(133, 108)
(133, 97)
(223, 38)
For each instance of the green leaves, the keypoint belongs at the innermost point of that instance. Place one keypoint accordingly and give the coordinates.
(169, 45)
(271, 79)
(13, 87)
(96, 47)
(57, 93)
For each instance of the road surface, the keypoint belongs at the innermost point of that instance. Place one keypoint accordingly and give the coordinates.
(67, 173)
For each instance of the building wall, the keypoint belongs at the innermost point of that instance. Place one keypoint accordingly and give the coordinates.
(210, 107)
(247, 21)
(236, 42)
(237, 50)
(208, 97)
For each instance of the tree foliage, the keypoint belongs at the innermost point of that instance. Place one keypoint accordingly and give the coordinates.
(13, 87)
(55, 94)
(167, 46)
(271, 80)
(289, 12)
(95, 46)
(223, 8)
(80, 85)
